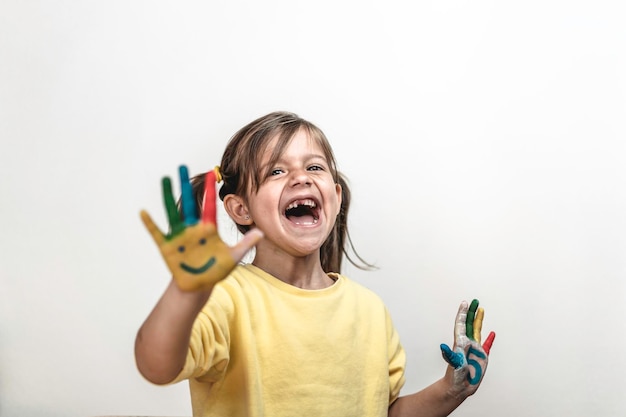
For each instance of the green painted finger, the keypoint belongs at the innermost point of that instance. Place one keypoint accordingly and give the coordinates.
(469, 321)
(176, 224)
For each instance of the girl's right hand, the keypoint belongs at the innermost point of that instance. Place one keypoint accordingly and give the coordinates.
(193, 251)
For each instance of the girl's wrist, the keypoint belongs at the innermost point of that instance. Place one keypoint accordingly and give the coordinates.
(197, 299)
(451, 392)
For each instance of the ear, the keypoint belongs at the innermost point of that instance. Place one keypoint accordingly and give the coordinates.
(237, 209)
(339, 192)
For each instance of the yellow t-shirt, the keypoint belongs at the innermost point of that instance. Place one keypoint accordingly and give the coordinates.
(261, 347)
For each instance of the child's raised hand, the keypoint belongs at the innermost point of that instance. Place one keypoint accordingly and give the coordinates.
(193, 250)
(468, 359)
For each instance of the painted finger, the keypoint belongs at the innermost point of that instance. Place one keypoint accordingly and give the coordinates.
(209, 211)
(489, 342)
(478, 324)
(153, 229)
(469, 322)
(459, 324)
(190, 213)
(454, 359)
(249, 240)
(176, 224)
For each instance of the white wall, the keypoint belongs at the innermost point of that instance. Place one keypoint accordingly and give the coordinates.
(485, 142)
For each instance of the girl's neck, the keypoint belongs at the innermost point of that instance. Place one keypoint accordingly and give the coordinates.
(302, 272)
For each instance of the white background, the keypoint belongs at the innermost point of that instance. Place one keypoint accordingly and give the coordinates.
(484, 141)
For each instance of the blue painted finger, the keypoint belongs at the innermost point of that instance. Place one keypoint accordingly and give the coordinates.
(455, 359)
(190, 213)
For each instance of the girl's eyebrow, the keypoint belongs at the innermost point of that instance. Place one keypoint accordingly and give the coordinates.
(306, 157)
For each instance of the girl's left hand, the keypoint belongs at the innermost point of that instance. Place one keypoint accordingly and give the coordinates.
(468, 359)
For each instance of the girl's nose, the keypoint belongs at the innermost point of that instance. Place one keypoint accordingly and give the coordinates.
(300, 177)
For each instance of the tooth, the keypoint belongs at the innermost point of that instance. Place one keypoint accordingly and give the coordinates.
(308, 202)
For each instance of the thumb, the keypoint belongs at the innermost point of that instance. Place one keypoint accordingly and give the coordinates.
(152, 228)
(249, 240)
(454, 359)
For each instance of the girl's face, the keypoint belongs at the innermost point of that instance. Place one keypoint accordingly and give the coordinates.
(297, 204)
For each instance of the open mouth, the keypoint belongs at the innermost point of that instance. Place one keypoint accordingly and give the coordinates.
(303, 212)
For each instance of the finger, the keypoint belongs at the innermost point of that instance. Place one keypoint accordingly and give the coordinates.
(478, 324)
(249, 240)
(455, 359)
(459, 324)
(176, 225)
(489, 342)
(154, 231)
(190, 214)
(469, 322)
(209, 211)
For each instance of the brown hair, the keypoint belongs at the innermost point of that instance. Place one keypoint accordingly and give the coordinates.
(242, 174)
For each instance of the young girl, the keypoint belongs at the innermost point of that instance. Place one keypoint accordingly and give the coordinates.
(286, 335)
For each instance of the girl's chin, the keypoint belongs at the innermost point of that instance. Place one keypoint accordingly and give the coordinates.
(303, 248)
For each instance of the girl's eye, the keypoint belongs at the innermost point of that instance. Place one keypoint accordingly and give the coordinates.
(276, 171)
(316, 168)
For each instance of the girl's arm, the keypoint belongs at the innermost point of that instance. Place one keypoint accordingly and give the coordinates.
(433, 401)
(163, 339)
(198, 259)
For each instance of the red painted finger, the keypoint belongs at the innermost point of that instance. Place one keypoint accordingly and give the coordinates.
(489, 342)
(209, 211)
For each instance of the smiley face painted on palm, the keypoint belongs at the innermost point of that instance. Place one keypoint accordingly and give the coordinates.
(193, 251)
(197, 257)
